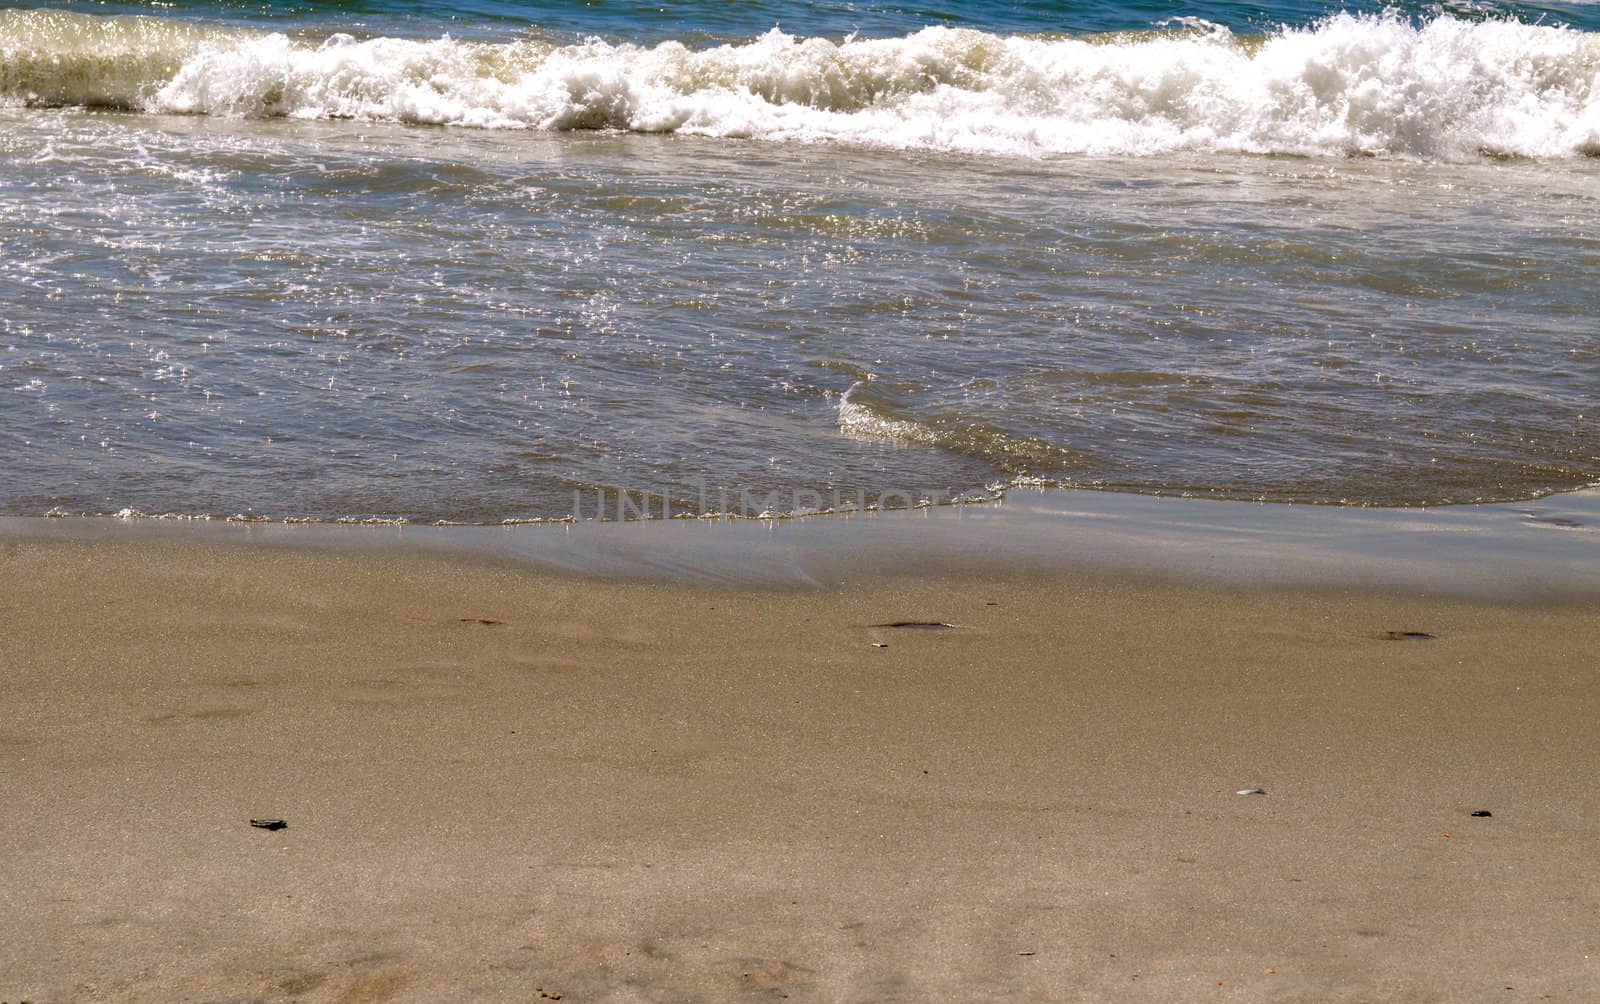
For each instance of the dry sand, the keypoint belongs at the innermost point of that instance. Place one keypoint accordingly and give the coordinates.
(502, 783)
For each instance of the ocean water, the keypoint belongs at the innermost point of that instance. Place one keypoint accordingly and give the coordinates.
(482, 261)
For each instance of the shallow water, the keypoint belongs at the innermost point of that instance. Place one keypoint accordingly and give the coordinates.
(253, 266)
(1537, 552)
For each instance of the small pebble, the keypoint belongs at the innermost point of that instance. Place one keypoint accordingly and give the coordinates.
(1483, 814)
(268, 824)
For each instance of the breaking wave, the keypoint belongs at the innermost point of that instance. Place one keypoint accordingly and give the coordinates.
(1445, 88)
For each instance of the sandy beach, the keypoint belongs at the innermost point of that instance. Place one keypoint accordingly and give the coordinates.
(833, 501)
(506, 783)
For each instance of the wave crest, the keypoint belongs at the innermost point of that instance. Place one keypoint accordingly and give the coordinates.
(1447, 88)
(1013, 454)
(55, 58)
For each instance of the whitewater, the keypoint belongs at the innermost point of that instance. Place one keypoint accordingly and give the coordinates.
(1382, 84)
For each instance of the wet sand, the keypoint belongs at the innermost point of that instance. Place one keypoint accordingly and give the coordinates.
(508, 783)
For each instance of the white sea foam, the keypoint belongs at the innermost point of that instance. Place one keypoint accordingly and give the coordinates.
(1447, 88)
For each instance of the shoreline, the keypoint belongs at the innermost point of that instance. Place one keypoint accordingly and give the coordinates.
(1541, 550)
(508, 778)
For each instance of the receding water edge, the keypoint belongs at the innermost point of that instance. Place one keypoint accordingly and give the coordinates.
(1542, 550)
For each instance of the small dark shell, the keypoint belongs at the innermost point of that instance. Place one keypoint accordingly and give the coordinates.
(268, 824)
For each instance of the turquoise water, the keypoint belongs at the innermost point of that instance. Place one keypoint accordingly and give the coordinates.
(485, 262)
(724, 21)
